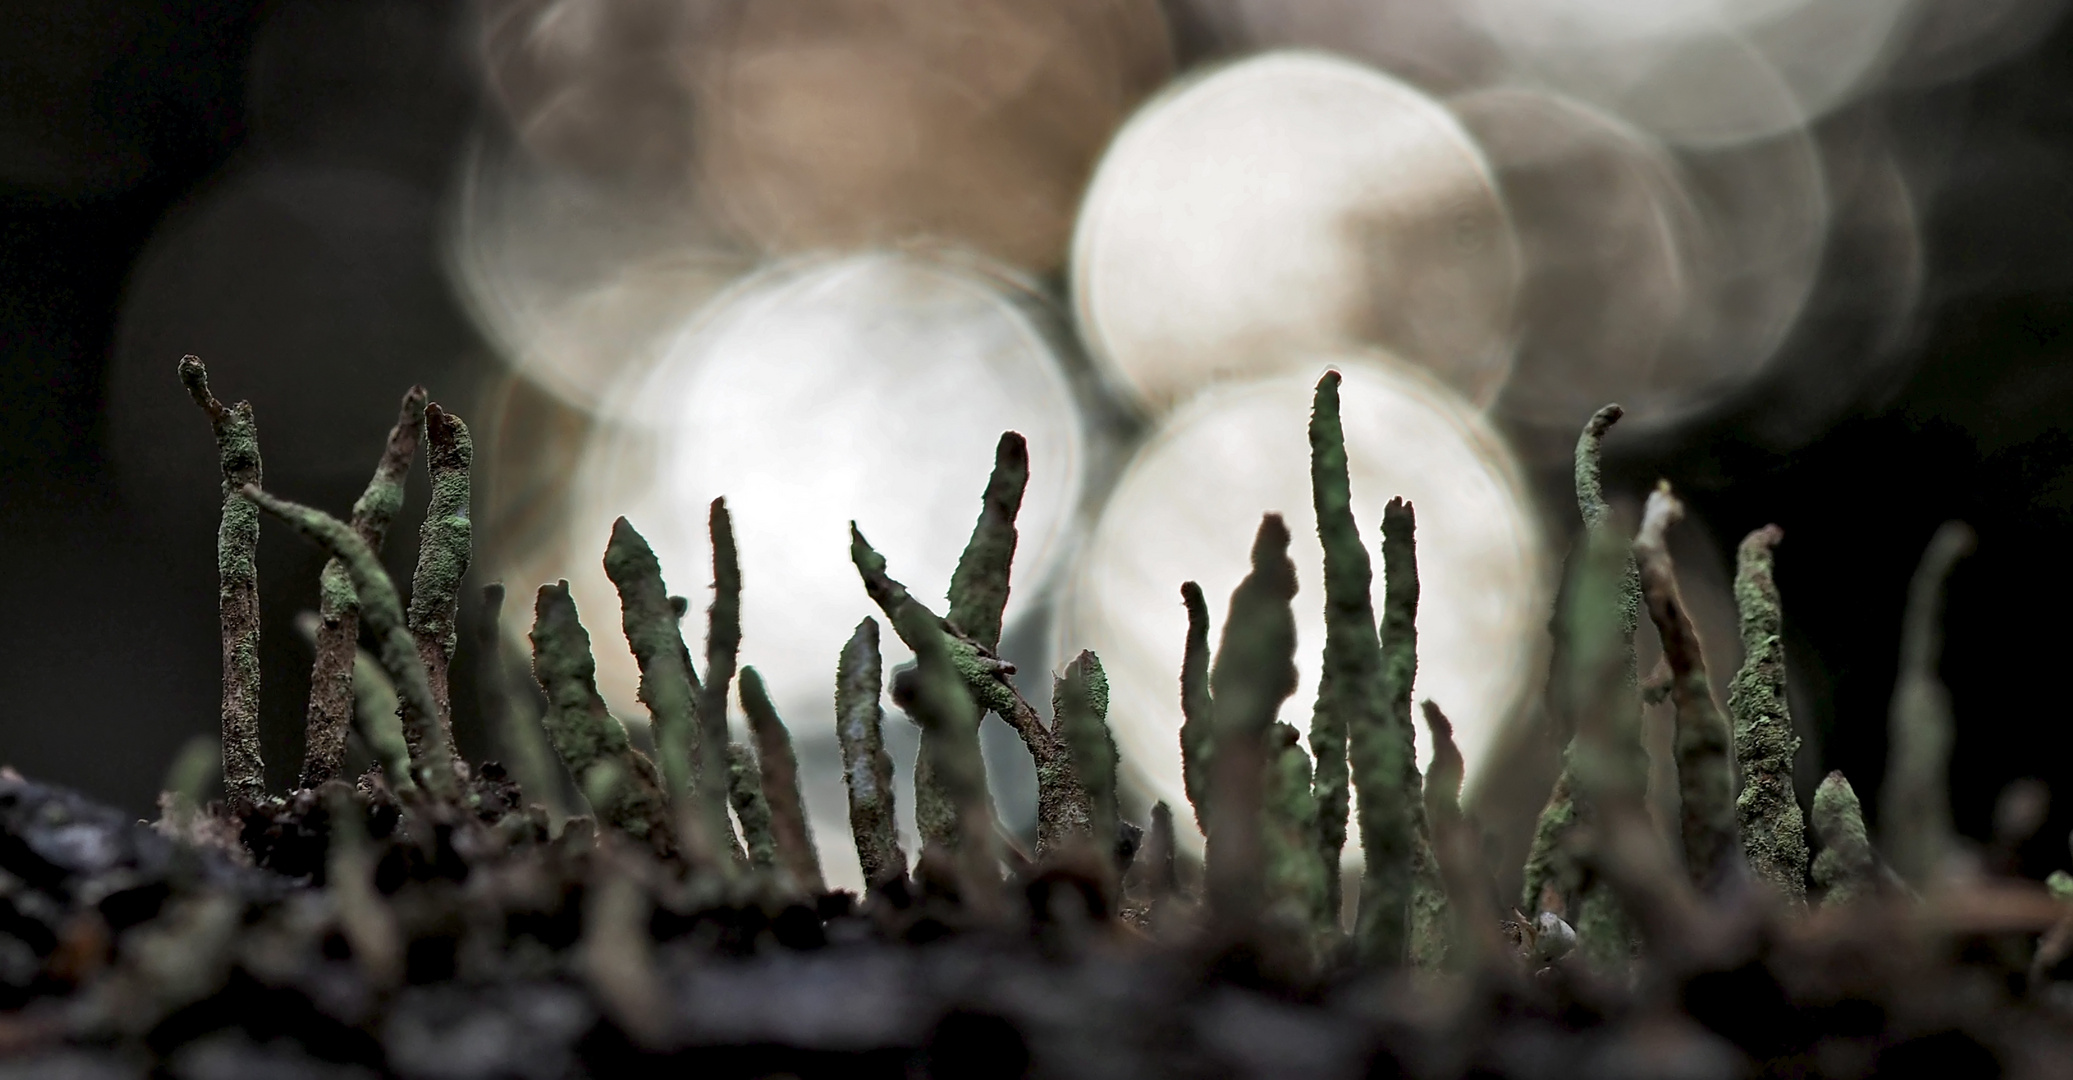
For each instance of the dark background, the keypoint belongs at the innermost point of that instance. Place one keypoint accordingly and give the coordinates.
(261, 183)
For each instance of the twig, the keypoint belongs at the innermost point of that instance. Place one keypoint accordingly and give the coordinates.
(442, 561)
(1774, 838)
(586, 735)
(1255, 671)
(338, 631)
(867, 770)
(237, 596)
(788, 822)
(1705, 778)
(1914, 804)
(669, 689)
(382, 610)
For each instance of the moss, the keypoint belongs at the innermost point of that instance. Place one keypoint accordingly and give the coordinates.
(1774, 838)
(867, 770)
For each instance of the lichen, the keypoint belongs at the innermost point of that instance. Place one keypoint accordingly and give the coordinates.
(979, 586)
(1914, 803)
(1254, 672)
(444, 545)
(1350, 690)
(1844, 870)
(789, 827)
(867, 770)
(1774, 838)
(1079, 708)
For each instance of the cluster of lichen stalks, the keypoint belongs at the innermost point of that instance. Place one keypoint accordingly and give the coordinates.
(1601, 874)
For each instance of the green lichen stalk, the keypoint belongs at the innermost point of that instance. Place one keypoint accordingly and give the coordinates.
(1295, 878)
(517, 727)
(788, 822)
(590, 740)
(1705, 777)
(669, 688)
(338, 633)
(374, 710)
(237, 595)
(1385, 771)
(382, 611)
(1914, 804)
(1254, 672)
(745, 788)
(867, 770)
(1197, 707)
(1845, 869)
(1774, 838)
(722, 646)
(444, 545)
(944, 708)
(979, 586)
(1349, 689)
(1079, 708)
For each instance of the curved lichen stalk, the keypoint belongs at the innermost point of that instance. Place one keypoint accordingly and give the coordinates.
(1350, 692)
(1254, 672)
(1705, 779)
(237, 571)
(382, 610)
(1914, 804)
(338, 630)
(1197, 707)
(867, 770)
(444, 547)
(1774, 838)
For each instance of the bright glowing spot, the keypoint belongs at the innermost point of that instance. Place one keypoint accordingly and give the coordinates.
(1189, 503)
(871, 387)
(1285, 204)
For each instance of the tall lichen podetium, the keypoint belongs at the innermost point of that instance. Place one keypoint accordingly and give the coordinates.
(979, 585)
(789, 827)
(1915, 802)
(1845, 869)
(722, 646)
(669, 688)
(590, 740)
(944, 708)
(1429, 929)
(444, 544)
(1456, 849)
(1705, 777)
(1254, 672)
(1079, 711)
(867, 770)
(1555, 879)
(523, 740)
(374, 708)
(1295, 877)
(1381, 750)
(338, 631)
(1197, 707)
(1349, 688)
(382, 610)
(1774, 838)
(237, 594)
(745, 786)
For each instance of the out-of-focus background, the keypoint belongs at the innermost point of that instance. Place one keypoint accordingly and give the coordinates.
(815, 256)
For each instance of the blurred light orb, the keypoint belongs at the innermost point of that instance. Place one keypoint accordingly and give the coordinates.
(870, 387)
(840, 123)
(1700, 72)
(578, 284)
(1607, 234)
(1189, 503)
(1285, 204)
(1432, 44)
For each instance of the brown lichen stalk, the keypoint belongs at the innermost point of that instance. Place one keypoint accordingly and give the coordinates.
(780, 781)
(338, 630)
(444, 545)
(237, 595)
(867, 770)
